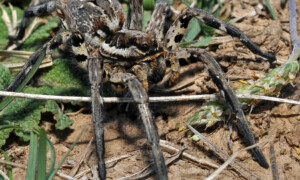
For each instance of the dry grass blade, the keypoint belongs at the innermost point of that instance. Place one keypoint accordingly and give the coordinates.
(115, 159)
(37, 21)
(168, 147)
(15, 53)
(77, 166)
(3, 175)
(243, 171)
(6, 20)
(24, 167)
(230, 160)
(148, 170)
(17, 66)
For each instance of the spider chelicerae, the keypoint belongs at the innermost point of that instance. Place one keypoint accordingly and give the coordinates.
(120, 53)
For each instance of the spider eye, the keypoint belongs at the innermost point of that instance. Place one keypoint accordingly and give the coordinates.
(144, 47)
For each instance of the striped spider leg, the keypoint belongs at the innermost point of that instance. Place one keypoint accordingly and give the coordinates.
(172, 39)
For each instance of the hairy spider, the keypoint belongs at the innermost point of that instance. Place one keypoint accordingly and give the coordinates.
(118, 52)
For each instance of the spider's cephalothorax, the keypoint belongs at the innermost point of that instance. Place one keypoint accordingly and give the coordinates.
(120, 53)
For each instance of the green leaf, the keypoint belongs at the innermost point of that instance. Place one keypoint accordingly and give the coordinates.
(193, 30)
(196, 28)
(196, 44)
(148, 4)
(63, 78)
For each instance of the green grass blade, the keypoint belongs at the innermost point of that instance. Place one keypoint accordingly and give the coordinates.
(52, 157)
(41, 163)
(66, 155)
(271, 10)
(9, 168)
(31, 165)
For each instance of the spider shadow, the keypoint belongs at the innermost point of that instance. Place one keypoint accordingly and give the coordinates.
(130, 128)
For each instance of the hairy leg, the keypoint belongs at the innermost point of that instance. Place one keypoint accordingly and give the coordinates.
(219, 79)
(95, 76)
(135, 15)
(38, 10)
(159, 20)
(178, 29)
(140, 96)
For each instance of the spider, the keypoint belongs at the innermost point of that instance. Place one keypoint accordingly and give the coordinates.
(119, 53)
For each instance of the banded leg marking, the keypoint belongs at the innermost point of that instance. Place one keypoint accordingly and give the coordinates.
(95, 77)
(158, 22)
(38, 10)
(135, 15)
(219, 79)
(179, 27)
(140, 96)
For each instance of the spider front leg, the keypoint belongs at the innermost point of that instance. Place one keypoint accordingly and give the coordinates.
(178, 29)
(33, 63)
(219, 79)
(95, 76)
(140, 96)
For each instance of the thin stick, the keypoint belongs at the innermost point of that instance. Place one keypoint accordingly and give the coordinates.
(166, 146)
(24, 167)
(246, 173)
(77, 166)
(12, 164)
(114, 159)
(230, 160)
(151, 99)
(3, 175)
(148, 170)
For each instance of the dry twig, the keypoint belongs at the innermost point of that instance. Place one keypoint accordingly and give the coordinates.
(246, 173)
(230, 160)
